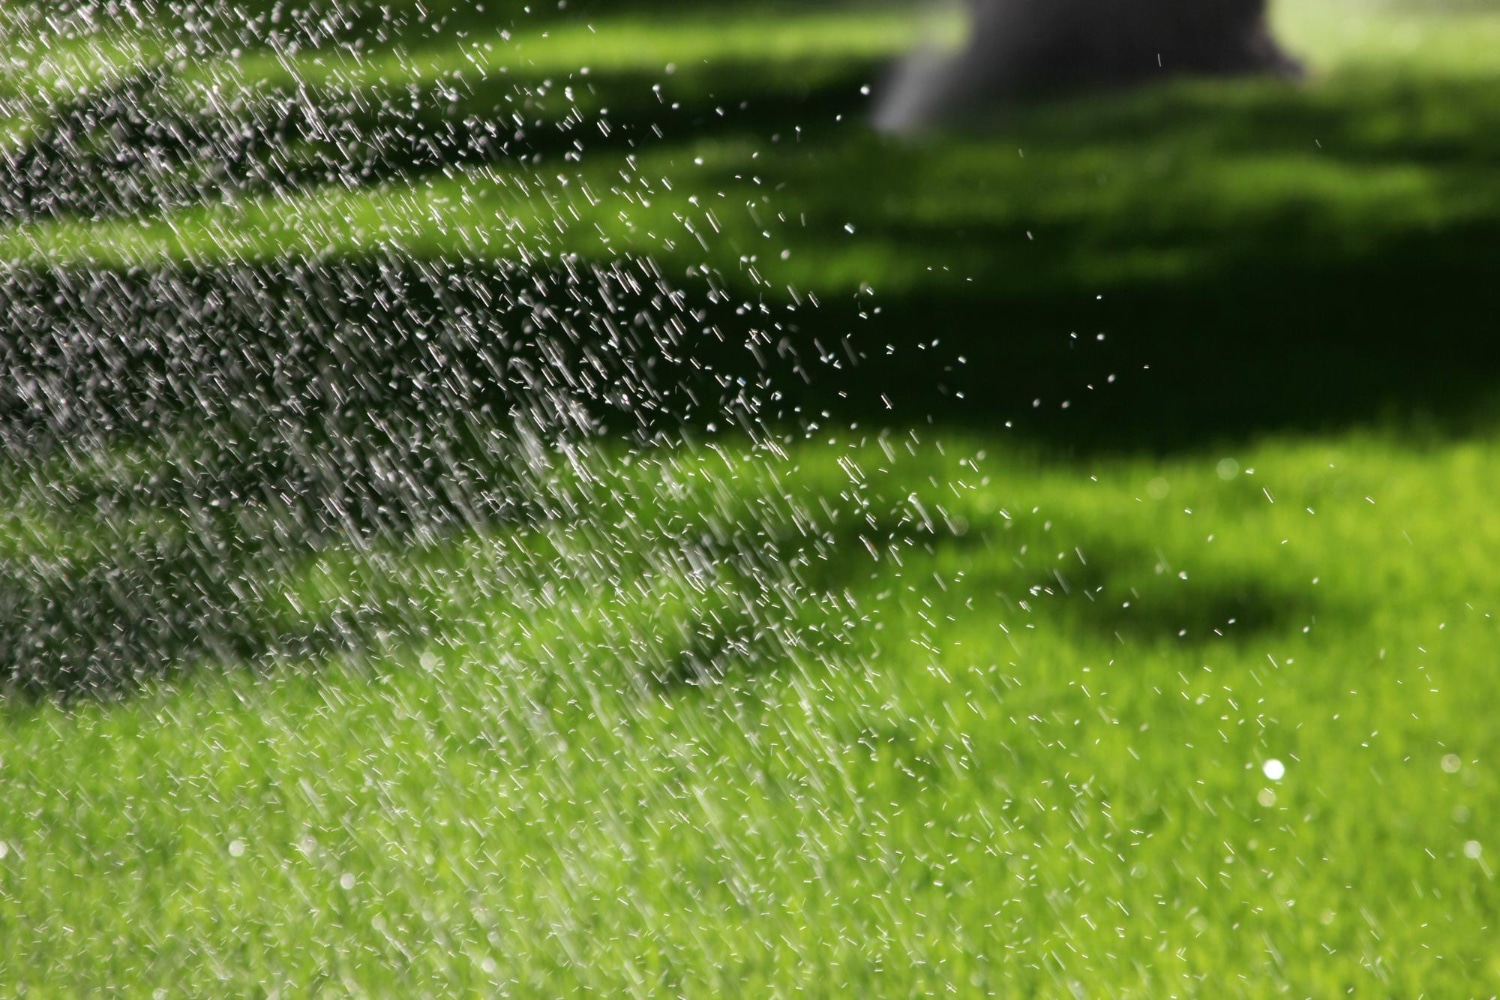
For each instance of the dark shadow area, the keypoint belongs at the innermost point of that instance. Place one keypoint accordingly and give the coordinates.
(1333, 306)
(1361, 115)
(171, 440)
(247, 369)
(1119, 590)
(1405, 338)
(97, 623)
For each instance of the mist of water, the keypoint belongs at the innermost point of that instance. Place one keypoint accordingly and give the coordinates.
(552, 480)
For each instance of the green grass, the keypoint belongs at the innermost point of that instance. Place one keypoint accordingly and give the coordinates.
(1030, 786)
(1219, 492)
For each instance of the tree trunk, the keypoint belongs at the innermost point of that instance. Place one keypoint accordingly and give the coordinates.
(1024, 48)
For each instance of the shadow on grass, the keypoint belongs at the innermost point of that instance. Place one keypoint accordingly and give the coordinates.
(339, 398)
(1403, 339)
(1359, 114)
(173, 442)
(1106, 584)
(1180, 268)
(1399, 341)
(97, 623)
(306, 436)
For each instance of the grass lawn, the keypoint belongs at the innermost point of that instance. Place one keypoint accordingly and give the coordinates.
(1110, 612)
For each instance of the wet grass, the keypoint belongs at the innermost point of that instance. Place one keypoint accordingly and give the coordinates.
(1251, 242)
(1174, 456)
(1050, 774)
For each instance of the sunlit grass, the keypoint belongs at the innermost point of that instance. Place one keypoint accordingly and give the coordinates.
(660, 45)
(1029, 759)
(1383, 34)
(42, 70)
(1021, 746)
